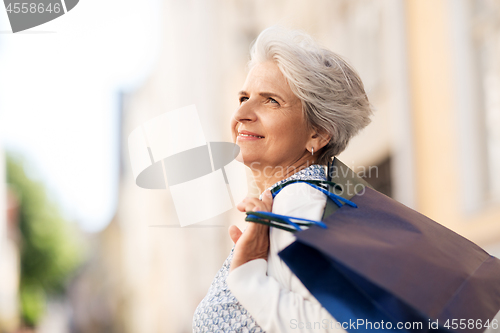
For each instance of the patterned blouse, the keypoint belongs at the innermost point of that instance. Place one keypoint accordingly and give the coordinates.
(220, 311)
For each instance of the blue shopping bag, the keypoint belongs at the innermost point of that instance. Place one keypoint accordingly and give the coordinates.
(377, 265)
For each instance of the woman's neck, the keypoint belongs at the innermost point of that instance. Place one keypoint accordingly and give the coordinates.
(267, 176)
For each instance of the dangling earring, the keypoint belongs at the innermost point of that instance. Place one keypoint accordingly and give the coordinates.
(312, 151)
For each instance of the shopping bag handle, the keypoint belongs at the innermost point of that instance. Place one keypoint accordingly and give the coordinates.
(335, 198)
(282, 220)
(285, 222)
(323, 183)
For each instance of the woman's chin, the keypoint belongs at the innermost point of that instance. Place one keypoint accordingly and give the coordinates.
(239, 158)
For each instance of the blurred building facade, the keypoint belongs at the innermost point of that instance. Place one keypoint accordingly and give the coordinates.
(431, 70)
(454, 71)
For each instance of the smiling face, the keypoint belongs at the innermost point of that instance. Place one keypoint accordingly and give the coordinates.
(269, 125)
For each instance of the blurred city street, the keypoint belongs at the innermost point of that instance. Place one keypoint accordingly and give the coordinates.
(84, 249)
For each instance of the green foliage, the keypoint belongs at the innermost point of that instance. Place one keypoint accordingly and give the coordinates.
(32, 303)
(49, 247)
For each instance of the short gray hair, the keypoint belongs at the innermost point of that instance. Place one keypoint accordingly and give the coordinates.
(332, 93)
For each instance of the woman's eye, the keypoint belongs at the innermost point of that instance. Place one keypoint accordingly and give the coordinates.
(242, 99)
(274, 101)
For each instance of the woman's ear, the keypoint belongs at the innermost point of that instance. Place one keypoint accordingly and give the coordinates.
(318, 139)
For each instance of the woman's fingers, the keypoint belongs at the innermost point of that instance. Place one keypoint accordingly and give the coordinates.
(241, 206)
(254, 204)
(246, 204)
(267, 199)
(234, 233)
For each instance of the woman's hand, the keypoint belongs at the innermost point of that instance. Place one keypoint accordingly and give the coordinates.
(254, 242)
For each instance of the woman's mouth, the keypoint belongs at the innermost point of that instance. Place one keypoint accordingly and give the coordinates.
(245, 135)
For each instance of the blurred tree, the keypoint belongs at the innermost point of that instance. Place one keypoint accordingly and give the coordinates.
(50, 250)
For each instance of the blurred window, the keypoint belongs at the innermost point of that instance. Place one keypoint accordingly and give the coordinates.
(485, 33)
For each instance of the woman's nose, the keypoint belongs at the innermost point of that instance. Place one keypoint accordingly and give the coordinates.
(245, 112)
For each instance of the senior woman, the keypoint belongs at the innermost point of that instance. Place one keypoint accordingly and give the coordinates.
(298, 108)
